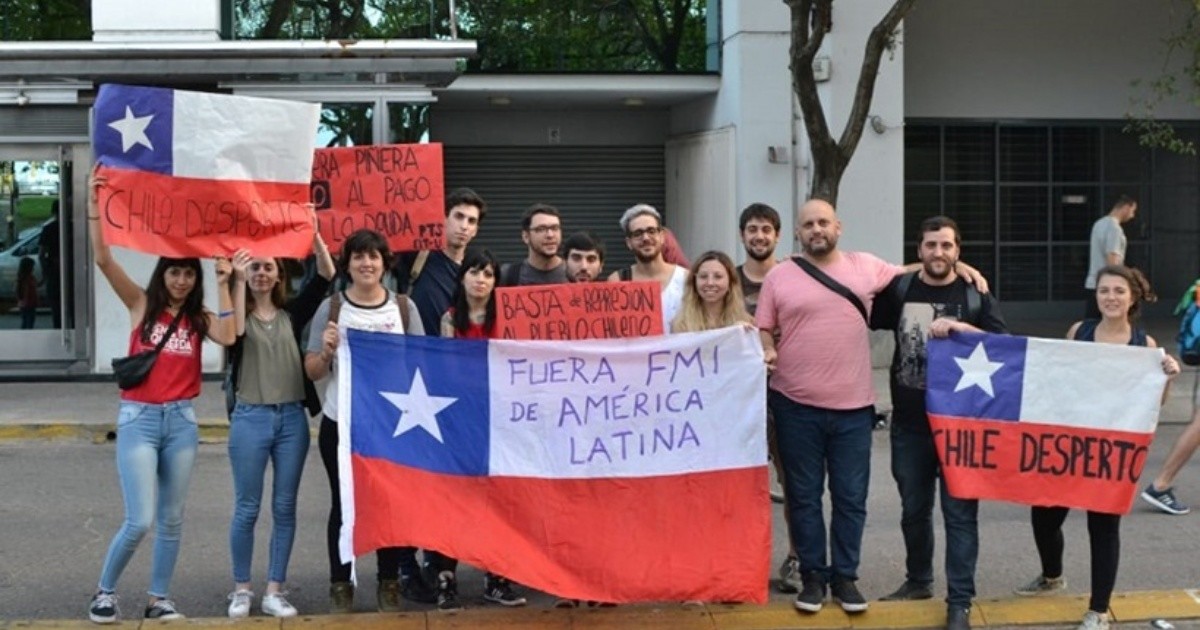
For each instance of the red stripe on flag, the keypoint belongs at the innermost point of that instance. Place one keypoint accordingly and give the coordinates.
(183, 217)
(702, 536)
(1040, 464)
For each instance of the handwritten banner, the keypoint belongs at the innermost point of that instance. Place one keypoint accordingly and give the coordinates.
(1043, 421)
(582, 310)
(396, 190)
(162, 215)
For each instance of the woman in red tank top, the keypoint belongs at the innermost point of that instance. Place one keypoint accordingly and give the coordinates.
(156, 426)
(472, 314)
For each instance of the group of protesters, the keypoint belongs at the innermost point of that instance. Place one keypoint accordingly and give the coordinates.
(812, 312)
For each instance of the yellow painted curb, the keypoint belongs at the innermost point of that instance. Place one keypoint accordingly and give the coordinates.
(1182, 604)
(210, 431)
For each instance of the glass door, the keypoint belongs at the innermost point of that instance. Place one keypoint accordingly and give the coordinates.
(39, 314)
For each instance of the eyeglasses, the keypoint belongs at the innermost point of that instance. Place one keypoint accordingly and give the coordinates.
(545, 229)
(650, 231)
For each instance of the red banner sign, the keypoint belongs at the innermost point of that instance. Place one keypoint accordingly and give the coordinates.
(582, 310)
(396, 190)
(186, 217)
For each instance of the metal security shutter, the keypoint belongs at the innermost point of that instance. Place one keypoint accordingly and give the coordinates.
(34, 123)
(591, 186)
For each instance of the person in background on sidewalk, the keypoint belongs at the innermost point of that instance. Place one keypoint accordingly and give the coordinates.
(1160, 492)
(156, 425)
(1106, 247)
(933, 302)
(1119, 293)
(27, 293)
(268, 422)
(366, 304)
(759, 226)
(472, 315)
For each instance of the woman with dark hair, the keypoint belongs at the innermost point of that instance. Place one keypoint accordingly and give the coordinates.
(472, 315)
(268, 422)
(156, 425)
(365, 304)
(1119, 293)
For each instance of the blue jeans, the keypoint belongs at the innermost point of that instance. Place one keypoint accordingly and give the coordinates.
(258, 433)
(916, 471)
(156, 447)
(811, 442)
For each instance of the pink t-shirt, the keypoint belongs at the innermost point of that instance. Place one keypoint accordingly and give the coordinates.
(824, 354)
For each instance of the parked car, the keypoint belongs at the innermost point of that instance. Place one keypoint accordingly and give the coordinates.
(10, 259)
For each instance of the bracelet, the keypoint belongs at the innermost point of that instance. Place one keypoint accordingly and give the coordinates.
(224, 314)
(91, 218)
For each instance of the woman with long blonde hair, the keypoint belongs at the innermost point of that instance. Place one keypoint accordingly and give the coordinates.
(712, 297)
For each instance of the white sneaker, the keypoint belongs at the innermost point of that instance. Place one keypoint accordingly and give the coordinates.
(239, 603)
(1093, 620)
(276, 605)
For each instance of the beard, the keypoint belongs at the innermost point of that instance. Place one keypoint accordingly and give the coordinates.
(932, 271)
(760, 256)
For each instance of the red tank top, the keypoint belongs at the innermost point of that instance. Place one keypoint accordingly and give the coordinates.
(176, 372)
(474, 330)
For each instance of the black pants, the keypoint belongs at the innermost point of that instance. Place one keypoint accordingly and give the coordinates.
(388, 559)
(1104, 533)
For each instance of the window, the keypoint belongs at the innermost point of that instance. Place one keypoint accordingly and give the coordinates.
(1025, 197)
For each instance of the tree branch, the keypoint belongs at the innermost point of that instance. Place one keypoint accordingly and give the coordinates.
(881, 36)
(804, 45)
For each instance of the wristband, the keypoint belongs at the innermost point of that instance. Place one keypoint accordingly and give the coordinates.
(224, 314)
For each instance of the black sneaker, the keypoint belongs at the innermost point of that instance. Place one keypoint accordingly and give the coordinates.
(103, 608)
(958, 618)
(908, 591)
(499, 590)
(414, 588)
(447, 592)
(163, 609)
(1164, 500)
(846, 593)
(812, 594)
(387, 596)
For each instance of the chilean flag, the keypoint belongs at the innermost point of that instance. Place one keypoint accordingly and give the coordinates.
(609, 470)
(1043, 421)
(198, 174)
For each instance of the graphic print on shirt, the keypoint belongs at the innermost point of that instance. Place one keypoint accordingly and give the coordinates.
(915, 319)
(180, 343)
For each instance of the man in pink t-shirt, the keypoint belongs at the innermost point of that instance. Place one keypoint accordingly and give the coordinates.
(823, 401)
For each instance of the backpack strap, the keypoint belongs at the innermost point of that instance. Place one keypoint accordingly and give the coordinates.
(511, 276)
(625, 273)
(335, 307)
(974, 304)
(417, 267)
(902, 286)
(402, 304)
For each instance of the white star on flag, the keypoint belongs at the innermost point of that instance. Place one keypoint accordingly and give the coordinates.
(977, 370)
(133, 130)
(418, 408)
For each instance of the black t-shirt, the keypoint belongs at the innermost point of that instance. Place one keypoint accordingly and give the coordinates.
(750, 290)
(909, 317)
(434, 288)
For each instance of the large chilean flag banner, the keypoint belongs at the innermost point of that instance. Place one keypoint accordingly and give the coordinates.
(1043, 421)
(610, 470)
(199, 174)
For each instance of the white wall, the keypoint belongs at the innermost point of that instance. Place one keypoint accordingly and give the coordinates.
(499, 127)
(700, 184)
(160, 20)
(1034, 58)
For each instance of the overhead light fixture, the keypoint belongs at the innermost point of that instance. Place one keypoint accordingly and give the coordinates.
(500, 100)
(634, 101)
(877, 124)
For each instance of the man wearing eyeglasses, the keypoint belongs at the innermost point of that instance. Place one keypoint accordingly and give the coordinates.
(644, 237)
(541, 229)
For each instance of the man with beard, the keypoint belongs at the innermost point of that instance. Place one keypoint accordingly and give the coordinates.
(584, 256)
(643, 229)
(932, 302)
(541, 229)
(822, 397)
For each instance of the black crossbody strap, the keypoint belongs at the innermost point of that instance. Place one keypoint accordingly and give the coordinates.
(170, 331)
(833, 285)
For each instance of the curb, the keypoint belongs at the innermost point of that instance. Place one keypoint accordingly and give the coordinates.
(1138, 606)
(211, 431)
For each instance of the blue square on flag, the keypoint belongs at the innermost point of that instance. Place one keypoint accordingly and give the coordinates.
(419, 403)
(133, 128)
(976, 376)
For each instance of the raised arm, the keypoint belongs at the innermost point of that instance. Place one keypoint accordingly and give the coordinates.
(220, 324)
(126, 289)
(240, 262)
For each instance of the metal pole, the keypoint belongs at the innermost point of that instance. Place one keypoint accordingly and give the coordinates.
(453, 20)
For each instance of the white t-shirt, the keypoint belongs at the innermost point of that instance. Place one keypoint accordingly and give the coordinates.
(672, 296)
(383, 317)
